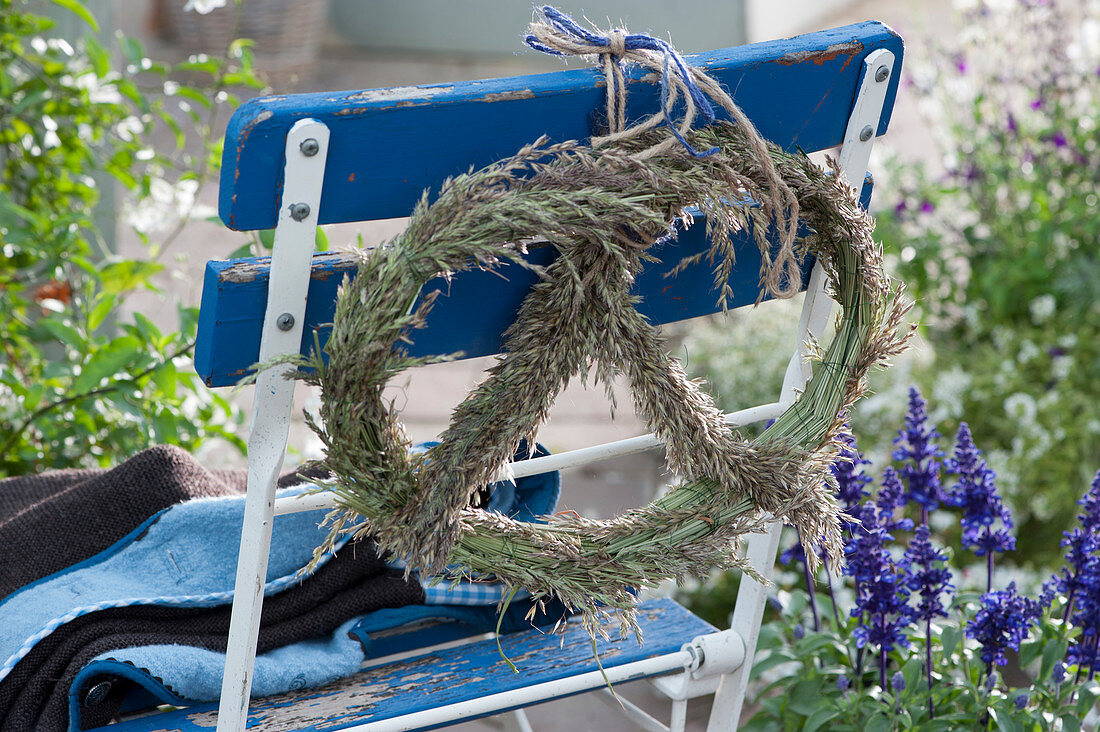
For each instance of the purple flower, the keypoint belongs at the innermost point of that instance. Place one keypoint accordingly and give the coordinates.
(1058, 674)
(842, 683)
(882, 608)
(891, 496)
(1079, 580)
(927, 206)
(1037, 103)
(928, 574)
(898, 682)
(1059, 140)
(1002, 623)
(916, 445)
(1011, 124)
(882, 591)
(851, 481)
(1021, 702)
(976, 494)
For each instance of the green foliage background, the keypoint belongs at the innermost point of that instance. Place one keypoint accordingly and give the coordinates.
(1001, 249)
(81, 381)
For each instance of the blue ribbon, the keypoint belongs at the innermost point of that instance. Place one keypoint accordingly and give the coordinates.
(633, 42)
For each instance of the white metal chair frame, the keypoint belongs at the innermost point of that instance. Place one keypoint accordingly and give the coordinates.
(718, 663)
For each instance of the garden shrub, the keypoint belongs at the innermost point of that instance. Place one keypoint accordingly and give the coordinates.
(81, 382)
(1000, 248)
(914, 636)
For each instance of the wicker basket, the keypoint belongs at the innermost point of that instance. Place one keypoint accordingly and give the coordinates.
(287, 33)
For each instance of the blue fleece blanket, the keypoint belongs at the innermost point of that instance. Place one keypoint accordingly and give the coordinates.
(185, 556)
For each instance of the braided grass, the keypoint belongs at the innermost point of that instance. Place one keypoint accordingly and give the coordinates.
(603, 209)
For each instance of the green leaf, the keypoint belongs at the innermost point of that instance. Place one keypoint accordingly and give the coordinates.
(104, 306)
(1008, 724)
(820, 717)
(1086, 696)
(770, 661)
(1053, 651)
(148, 329)
(64, 333)
(127, 275)
(33, 397)
(878, 723)
(244, 250)
(195, 96)
(78, 8)
(1030, 651)
(131, 49)
(108, 361)
(1070, 723)
(805, 696)
(166, 379)
(911, 672)
(949, 639)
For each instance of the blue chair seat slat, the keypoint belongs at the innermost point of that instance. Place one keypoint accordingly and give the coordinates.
(387, 146)
(447, 676)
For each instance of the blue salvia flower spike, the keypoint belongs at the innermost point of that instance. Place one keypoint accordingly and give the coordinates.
(917, 446)
(976, 493)
(1002, 623)
(928, 576)
(850, 477)
(1080, 581)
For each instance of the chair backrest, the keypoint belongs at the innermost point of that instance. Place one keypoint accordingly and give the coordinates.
(387, 146)
(298, 161)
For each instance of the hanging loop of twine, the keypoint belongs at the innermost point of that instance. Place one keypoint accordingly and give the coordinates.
(556, 33)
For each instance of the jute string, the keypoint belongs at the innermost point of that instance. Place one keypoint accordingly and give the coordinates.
(556, 33)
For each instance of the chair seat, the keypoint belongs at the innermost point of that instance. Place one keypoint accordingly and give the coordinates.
(474, 671)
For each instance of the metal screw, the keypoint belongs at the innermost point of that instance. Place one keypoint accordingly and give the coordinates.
(864, 136)
(97, 693)
(882, 73)
(285, 321)
(298, 211)
(310, 146)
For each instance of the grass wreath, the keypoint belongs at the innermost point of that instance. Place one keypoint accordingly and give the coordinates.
(603, 210)
(603, 207)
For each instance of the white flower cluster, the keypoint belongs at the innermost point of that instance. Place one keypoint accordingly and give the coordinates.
(165, 205)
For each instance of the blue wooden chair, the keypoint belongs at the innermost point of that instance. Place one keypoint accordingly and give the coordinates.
(294, 162)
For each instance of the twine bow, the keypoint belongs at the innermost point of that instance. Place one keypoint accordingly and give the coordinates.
(556, 33)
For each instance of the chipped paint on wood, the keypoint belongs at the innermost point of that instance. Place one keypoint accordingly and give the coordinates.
(509, 95)
(448, 676)
(819, 57)
(324, 264)
(396, 94)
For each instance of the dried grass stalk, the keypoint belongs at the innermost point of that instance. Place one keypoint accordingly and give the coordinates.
(602, 209)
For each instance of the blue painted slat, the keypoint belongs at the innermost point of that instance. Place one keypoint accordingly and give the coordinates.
(446, 677)
(388, 145)
(477, 307)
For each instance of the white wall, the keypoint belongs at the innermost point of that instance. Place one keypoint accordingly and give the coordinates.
(771, 19)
